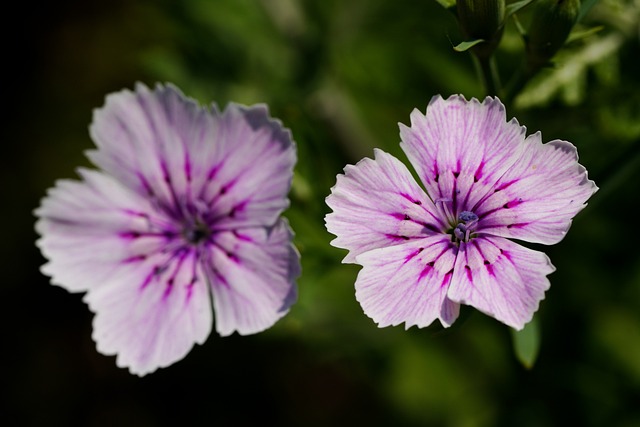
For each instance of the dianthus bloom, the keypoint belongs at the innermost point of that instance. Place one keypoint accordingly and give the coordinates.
(185, 210)
(425, 253)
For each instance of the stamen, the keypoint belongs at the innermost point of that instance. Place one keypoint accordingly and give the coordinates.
(467, 216)
(461, 232)
(466, 225)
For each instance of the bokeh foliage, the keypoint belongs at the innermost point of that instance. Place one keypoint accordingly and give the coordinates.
(340, 75)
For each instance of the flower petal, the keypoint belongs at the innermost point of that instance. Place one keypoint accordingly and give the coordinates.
(252, 274)
(152, 312)
(161, 144)
(87, 230)
(254, 176)
(376, 204)
(155, 142)
(500, 278)
(460, 148)
(538, 196)
(101, 237)
(408, 283)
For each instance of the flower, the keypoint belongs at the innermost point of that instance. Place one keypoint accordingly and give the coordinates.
(425, 253)
(186, 208)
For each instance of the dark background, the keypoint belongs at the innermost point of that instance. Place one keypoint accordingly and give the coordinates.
(340, 75)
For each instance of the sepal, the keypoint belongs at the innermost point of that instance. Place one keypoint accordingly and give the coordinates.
(482, 20)
(551, 24)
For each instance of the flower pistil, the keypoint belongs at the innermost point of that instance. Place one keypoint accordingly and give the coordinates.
(467, 224)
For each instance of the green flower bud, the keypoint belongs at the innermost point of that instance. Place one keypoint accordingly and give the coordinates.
(481, 19)
(550, 26)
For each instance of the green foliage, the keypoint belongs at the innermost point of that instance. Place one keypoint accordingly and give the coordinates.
(516, 6)
(526, 343)
(447, 4)
(464, 46)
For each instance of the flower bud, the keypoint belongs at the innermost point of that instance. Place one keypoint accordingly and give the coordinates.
(482, 19)
(550, 26)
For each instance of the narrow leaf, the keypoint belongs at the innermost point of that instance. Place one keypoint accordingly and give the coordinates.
(464, 46)
(447, 4)
(577, 35)
(586, 6)
(526, 343)
(519, 27)
(514, 7)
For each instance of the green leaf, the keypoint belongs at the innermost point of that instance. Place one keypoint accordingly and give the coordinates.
(519, 27)
(526, 343)
(577, 35)
(447, 4)
(574, 65)
(514, 7)
(464, 46)
(586, 6)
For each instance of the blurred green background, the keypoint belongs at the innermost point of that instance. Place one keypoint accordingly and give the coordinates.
(340, 75)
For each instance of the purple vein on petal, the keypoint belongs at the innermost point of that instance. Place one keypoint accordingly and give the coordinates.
(487, 264)
(429, 265)
(509, 205)
(169, 209)
(397, 237)
(148, 278)
(188, 167)
(412, 255)
(446, 279)
(454, 194)
(477, 177)
(220, 278)
(171, 280)
(428, 211)
(229, 254)
(242, 236)
(224, 189)
(160, 268)
(145, 184)
(194, 274)
(411, 199)
(239, 207)
(151, 222)
(133, 235)
(135, 258)
(479, 173)
(518, 225)
(503, 186)
(166, 176)
(211, 175)
(405, 217)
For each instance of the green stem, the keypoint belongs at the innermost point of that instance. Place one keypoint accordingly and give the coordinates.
(519, 80)
(515, 85)
(489, 74)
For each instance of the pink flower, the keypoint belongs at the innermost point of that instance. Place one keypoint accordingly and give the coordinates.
(426, 252)
(185, 209)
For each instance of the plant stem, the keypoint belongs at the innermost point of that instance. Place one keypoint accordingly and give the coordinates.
(515, 85)
(520, 78)
(488, 74)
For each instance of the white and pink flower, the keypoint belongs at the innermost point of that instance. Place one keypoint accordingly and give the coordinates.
(185, 210)
(425, 251)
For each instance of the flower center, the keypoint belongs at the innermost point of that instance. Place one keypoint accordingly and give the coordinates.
(196, 233)
(467, 223)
